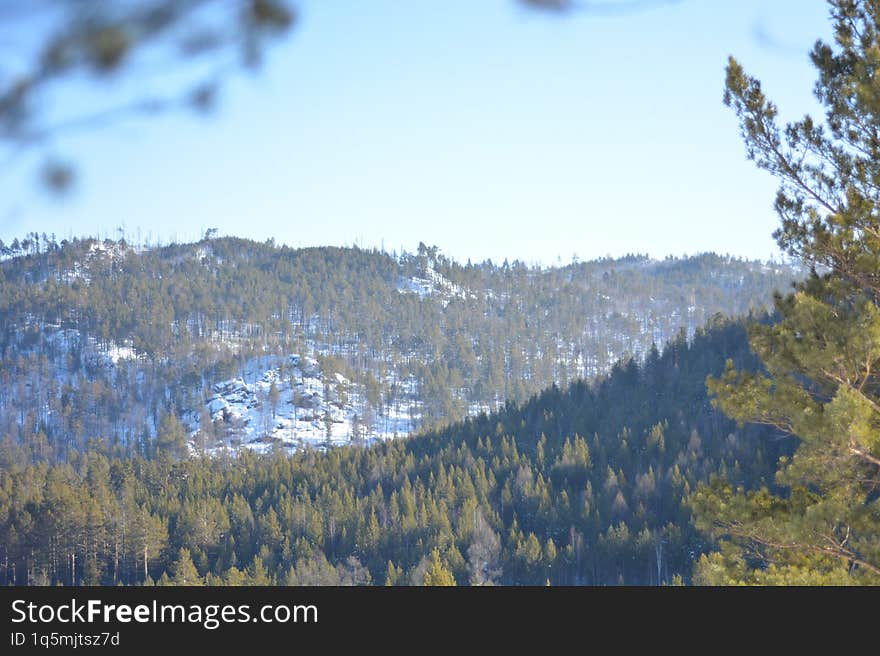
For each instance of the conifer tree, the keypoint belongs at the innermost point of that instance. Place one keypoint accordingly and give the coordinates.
(171, 437)
(437, 573)
(821, 523)
(184, 570)
(393, 576)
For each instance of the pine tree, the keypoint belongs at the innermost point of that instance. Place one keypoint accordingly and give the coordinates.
(437, 573)
(184, 571)
(819, 383)
(274, 397)
(257, 574)
(149, 536)
(394, 575)
(171, 437)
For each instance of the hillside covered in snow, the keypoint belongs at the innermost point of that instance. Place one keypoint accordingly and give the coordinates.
(255, 345)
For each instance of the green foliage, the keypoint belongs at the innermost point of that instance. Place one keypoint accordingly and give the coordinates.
(570, 486)
(183, 570)
(820, 522)
(438, 574)
(171, 437)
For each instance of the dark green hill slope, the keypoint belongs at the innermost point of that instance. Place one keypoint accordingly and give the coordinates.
(581, 485)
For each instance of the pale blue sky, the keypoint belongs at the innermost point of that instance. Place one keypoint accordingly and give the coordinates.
(481, 127)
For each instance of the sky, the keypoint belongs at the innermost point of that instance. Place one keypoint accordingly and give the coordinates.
(488, 129)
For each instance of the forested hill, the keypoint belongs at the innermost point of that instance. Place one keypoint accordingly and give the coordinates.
(584, 484)
(252, 343)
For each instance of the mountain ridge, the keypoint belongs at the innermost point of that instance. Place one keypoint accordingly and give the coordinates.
(135, 334)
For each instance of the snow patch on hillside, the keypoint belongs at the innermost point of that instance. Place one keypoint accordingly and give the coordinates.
(90, 350)
(292, 405)
(429, 282)
(81, 269)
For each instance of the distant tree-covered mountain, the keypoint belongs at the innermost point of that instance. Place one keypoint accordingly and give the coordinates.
(100, 339)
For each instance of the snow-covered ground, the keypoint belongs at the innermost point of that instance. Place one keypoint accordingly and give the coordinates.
(293, 404)
(65, 340)
(430, 282)
(311, 409)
